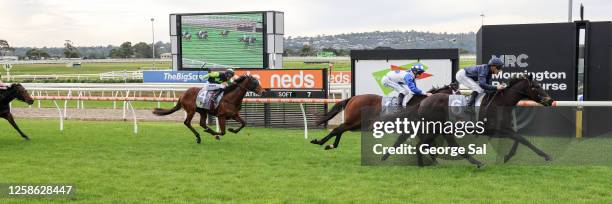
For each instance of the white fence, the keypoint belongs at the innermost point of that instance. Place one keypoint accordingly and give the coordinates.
(66, 61)
(116, 75)
(128, 93)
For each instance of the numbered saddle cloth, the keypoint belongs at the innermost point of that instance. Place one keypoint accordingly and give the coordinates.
(457, 108)
(205, 98)
(389, 104)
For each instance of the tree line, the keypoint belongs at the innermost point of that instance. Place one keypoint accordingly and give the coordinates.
(308, 50)
(123, 51)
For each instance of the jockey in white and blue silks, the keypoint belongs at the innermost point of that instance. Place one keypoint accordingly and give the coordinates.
(404, 82)
(478, 78)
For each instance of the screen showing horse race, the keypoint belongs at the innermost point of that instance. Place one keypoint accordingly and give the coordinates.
(222, 40)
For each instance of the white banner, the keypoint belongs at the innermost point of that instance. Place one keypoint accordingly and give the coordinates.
(368, 74)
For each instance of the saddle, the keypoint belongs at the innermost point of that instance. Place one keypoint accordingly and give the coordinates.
(458, 106)
(390, 104)
(206, 101)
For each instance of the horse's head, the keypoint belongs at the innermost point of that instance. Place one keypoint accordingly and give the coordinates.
(452, 88)
(531, 89)
(250, 83)
(22, 94)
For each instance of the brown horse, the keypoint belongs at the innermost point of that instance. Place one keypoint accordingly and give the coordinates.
(228, 108)
(15, 91)
(496, 113)
(354, 105)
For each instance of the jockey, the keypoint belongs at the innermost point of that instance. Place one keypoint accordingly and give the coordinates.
(478, 78)
(403, 82)
(216, 80)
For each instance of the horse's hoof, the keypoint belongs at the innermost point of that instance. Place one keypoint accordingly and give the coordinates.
(314, 141)
(26, 138)
(328, 147)
(480, 166)
(232, 130)
(548, 158)
(217, 137)
(506, 159)
(198, 140)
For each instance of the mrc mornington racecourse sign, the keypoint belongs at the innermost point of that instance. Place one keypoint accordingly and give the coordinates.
(534, 49)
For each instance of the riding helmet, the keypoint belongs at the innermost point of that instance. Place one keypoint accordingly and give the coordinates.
(229, 73)
(417, 68)
(497, 62)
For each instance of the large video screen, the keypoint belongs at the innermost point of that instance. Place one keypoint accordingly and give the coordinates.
(222, 40)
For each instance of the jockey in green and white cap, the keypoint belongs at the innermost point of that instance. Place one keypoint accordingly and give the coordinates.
(219, 80)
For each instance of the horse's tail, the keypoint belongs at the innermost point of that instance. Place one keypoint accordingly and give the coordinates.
(161, 111)
(338, 107)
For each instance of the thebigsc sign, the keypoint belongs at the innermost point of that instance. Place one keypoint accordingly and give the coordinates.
(174, 76)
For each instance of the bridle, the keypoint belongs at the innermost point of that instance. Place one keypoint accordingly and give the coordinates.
(530, 93)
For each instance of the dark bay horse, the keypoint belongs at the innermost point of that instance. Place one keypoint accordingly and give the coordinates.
(15, 91)
(495, 111)
(228, 108)
(353, 107)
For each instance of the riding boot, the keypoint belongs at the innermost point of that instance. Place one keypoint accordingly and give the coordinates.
(472, 100)
(217, 93)
(470, 109)
(400, 100)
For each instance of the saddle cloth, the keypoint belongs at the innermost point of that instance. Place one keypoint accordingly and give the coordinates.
(389, 101)
(204, 99)
(457, 108)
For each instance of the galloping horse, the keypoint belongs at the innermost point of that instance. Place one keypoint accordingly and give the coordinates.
(224, 33)
(435, 108)
(203, 35)
(228, 108)
(248, 41)
(352, 112)
(15, 91)
(187, 36)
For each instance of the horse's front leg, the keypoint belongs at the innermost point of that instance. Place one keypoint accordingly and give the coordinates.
(512, 152)
(242, 124)
(519, 138)
(9, 118)
(222, 121)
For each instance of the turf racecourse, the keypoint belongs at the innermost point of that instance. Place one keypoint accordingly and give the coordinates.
(162, 164)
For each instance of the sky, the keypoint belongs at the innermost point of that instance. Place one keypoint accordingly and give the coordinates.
(38, 23)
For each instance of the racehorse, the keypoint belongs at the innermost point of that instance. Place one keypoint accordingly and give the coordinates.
(247, 40)
(495, 111)
(228, 108)
(224, 33)
(203, 35)
(15, 91)
(187, 36)
(352, 112)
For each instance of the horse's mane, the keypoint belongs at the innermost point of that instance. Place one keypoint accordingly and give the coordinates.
(435, 89)
(234, 85)
(514, 80)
